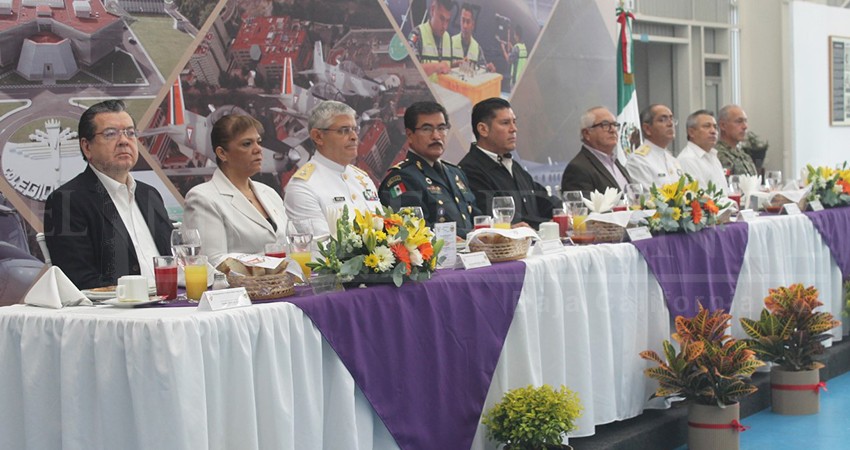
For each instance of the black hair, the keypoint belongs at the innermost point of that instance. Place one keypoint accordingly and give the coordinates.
(485, 111)
(86, 129)
(411, 115)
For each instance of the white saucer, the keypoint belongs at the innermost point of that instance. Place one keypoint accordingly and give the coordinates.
(132, 304)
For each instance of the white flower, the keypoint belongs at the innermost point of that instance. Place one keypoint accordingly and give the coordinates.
(415, 256)
(837, 188)
(355, 240)
(386, 259)
(377, 223)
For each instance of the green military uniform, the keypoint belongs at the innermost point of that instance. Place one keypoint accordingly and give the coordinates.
(443, 197)
(735, 160)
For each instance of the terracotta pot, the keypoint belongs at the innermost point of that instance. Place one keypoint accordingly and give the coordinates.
(795, 393)
(713, 428)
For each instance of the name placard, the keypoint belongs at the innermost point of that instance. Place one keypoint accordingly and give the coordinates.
(816, 205)
(747, 215)
(224, 299)
(474, 260)
(791, 209)
(548, 247)
(447, 231)
(638, 233)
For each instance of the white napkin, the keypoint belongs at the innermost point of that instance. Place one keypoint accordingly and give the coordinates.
(749, 184)
(601, 203)
(620, 218)
(55, 290)
(795, 195)
(513, 233)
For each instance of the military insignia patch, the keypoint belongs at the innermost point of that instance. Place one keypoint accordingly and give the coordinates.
(305, 172)
(392, 180)
(397, 190)
(339, 199)
(370, 195)
(434, 189)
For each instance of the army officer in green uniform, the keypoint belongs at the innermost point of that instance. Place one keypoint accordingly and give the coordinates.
(439, 188)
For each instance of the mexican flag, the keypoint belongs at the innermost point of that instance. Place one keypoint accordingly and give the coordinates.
(397, 190)
(628, 112)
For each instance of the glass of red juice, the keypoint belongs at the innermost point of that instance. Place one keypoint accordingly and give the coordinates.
(165, 271)
(736, 197)
(559, 216)
(276, 249)
(482, 222)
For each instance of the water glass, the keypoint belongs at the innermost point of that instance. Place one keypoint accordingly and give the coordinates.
(276, 249)
(503, 212)
(633, 195)
(185, 242)
(572, 196)
(482, 222)
(299, 232)
(773, 179)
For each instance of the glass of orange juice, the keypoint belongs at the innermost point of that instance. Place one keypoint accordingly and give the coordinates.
(503, 212)
(300, 236)
(195, 272)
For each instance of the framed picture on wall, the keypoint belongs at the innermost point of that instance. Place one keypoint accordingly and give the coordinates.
(839, 81)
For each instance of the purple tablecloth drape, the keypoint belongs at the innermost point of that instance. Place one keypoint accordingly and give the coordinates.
(697, 267)
(834, 226)
(423, 354)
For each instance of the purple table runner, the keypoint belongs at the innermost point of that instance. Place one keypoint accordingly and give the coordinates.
(423, 354)
(697, 267)
(834, 226)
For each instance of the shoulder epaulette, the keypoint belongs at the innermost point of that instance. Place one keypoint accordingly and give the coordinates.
(305, 172)
(359, 169)
(643, 150)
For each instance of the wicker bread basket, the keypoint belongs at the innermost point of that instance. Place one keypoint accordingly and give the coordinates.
(503, 250)
(605, 232)
(264, 287)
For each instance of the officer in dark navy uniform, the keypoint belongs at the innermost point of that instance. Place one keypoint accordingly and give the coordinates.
(441, 189)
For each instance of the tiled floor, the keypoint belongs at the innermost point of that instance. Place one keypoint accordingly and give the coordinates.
(827, 430)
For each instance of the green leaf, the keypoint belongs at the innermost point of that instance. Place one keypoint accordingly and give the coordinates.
(353, 266)
(398, 274)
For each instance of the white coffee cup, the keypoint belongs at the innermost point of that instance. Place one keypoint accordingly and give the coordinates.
(132, 288)
(548, 230)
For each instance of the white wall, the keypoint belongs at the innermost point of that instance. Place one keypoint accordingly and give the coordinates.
(813, 139)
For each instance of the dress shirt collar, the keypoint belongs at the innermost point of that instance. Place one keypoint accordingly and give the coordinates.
(112, 186)
(699, 152)
(604, 157)
(490, 154)
(318, 158)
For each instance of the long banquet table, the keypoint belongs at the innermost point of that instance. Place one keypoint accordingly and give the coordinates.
(375, 368)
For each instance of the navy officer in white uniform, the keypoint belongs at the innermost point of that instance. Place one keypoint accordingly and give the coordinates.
(329, 180)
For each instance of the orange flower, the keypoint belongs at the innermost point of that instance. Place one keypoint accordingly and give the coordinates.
(426, 250)
(389, 222)
(696, 211)
(845, 185)
(711, 207)
(401, 254)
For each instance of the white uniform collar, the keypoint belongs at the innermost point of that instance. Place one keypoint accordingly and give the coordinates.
(653, 146)
(318, 158)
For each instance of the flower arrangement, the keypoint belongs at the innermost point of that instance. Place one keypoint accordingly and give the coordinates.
(533, 418)
(789, 332)
(830, 186)
(683, 206)
(379, 246)
(710, 367)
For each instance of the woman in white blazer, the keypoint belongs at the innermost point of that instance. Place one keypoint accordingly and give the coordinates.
(233, 213)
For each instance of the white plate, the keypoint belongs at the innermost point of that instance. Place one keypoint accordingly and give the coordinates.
(115, 302)
(105, 295)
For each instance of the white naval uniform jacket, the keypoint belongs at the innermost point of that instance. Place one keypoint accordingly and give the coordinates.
(653, 164)
(322, 184)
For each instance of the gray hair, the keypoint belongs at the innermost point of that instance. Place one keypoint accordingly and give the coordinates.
(692, 119)
(723, 114)
(323, 114)
(586, 120)
(648, 115)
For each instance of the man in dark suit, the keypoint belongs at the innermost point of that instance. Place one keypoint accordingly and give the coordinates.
(103, 224)
(423, 179)
(491, 170)
(596, 166)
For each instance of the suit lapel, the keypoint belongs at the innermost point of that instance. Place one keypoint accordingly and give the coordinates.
(594, 161)
(238, 200)
(108, 210)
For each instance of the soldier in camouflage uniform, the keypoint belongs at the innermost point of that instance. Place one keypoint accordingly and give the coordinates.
(439, 188)
(732, 121)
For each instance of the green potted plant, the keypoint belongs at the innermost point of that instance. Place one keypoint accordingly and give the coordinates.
(533, 418)
(756, 148)
(711, 370)
(789, 333)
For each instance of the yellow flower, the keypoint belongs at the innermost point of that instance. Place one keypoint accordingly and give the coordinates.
(825, 172)
(371, 260)
(392, 231)
(844, 175)
(677, 213)
(693, 186)
(419, 235)
(670, 191)
(380, 235)
(363, 221)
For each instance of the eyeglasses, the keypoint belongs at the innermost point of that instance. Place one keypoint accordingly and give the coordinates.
(111, 134)
(429, 129)
(667, 119)
(607, 126)
(343, 131)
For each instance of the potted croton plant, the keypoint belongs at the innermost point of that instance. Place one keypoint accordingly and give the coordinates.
(790, 333)
(711, 370)
(533, 418)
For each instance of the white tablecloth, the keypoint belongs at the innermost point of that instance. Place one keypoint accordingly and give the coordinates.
(262, 377)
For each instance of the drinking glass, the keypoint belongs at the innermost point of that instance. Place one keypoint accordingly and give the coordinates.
(165, 273)
(773, 179)
(195, 271)
(416, 211)
(276, 249)
(572, 196)
(634, 193)
(560, 216)
(503, 212)
(299, 232)
(482, 222)
(185, 242)
(734, 193)
(580, 234)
